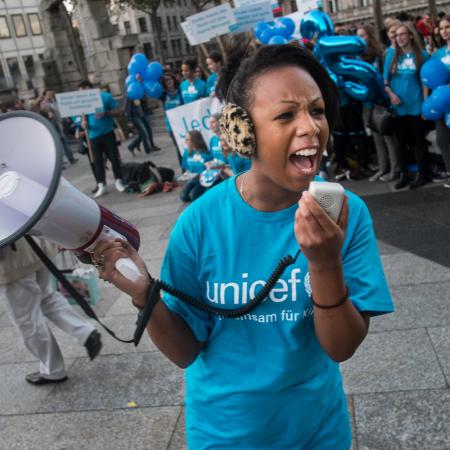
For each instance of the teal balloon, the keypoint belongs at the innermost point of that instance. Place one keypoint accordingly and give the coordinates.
(429, 111)
(135, 91)
(154, 71)
(440, 99)
(153, 89)
(289, 24)
(447, 120)
(434, 73)
(277, 40)
(316, 23)
(266, 35)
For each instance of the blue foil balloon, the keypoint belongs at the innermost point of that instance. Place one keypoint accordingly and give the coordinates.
(440, 99)
(338, 46)
(289, 24)
(429, 112)
(277, 40)
(316, 23)
(266, 35)
(154, 71)
(447, 120)
(153, 89)
(433, 73)
(135, 91)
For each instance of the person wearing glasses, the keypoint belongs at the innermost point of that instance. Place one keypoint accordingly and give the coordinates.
(406, 93)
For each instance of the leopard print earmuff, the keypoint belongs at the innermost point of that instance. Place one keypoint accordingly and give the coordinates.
(238, 129)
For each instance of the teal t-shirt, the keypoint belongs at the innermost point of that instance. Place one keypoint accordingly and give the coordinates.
(443, 55)
(211, 83)
(195, 162)
(192, 91)
(263, 381)
(215, 148)
(405, 82)
(239, 164)
(171, 101)
(99, 127)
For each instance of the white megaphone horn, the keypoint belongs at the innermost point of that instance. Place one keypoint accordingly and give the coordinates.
(36, 200)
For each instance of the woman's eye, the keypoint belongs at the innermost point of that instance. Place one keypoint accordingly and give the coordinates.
(285, 116)
(319, 111)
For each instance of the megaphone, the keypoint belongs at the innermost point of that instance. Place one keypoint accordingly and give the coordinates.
(36, 200)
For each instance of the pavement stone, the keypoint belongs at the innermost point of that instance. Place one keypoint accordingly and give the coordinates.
(440, 337)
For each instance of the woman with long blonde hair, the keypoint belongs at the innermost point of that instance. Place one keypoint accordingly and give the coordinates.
(406, 93)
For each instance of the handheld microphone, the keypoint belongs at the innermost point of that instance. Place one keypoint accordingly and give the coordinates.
(330, 197)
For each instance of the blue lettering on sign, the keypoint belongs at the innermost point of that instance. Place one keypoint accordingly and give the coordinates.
(195, 124)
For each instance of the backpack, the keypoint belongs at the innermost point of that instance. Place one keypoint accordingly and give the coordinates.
(137, 174)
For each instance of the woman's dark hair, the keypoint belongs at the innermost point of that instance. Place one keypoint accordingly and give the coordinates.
(85, 84)
(216, 57)
(169, 75)
(198, 142)
(191, 63)
(245, 64)
(374, 48)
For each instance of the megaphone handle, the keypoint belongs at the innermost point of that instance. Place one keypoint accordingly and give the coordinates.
(128, 268)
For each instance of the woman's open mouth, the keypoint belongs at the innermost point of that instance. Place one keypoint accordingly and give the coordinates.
(305, 160)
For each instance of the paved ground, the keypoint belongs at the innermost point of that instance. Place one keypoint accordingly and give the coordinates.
(132, 398)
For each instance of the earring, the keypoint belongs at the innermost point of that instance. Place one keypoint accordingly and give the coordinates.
(238, 129)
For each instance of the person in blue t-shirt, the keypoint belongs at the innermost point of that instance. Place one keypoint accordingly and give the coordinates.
(442, 131)
(406, 93)
(268, 379)
(195, 156)
(214, 143)
(191, 88)
(100, 128)
(171, 98)
(215, 63)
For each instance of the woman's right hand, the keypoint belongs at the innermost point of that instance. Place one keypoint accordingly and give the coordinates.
(395, 99)
(107, 252)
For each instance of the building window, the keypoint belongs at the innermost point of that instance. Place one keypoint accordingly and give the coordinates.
(14, 70)
(4, 28)
(176, 46)
(148, 50)
(164, 45)
(160, 23)
(19, 25)
(35, 23)
(29, 65)
(143, 28)
(169, 24)
(127, 26)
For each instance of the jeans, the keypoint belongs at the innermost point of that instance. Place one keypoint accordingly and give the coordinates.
(144, 134)
(192, 190)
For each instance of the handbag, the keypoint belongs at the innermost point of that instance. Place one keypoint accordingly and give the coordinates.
(382, 120)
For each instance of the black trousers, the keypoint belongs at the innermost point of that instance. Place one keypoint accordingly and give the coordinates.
(106, 144)
(411, 135)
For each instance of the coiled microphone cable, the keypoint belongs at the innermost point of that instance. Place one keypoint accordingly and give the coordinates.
(159, 285)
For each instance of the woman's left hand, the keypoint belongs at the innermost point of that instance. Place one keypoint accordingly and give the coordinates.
(319, 237)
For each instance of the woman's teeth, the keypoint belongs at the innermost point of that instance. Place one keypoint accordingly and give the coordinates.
(306, 152)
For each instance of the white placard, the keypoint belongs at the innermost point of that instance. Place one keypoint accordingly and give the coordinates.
(193, 116)
(212, 22)
(190, 36)
(248, 16)
(76, 103)
(242, 3)
(303, 6)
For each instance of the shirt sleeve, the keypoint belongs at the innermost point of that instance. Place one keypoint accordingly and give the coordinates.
(180, 269)
(387, 66)
(363, 270)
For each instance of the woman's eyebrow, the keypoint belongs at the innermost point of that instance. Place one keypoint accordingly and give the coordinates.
(294, 102)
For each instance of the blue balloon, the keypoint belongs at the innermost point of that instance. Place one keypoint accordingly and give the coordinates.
(135, 91)
(338, 46)
(289, 24)
(154, 71)
(277, 40)
(259, 28)
(316, 23)
(447, 120)
(266, 35)
(130, 79)
(440, 99)
(282, 30)
(429, 112)
(433, 73)
(153, 89)
(138, 64)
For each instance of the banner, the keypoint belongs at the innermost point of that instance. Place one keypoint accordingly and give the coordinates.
(193, 116)
(76, 103)
(212, 22)
(242, 3)
(248, 16)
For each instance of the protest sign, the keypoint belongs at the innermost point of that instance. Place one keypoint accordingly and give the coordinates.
(190, 36)
(249, 15)
(210, 23)
(242, 3)
(76, 103)
(193, 116)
